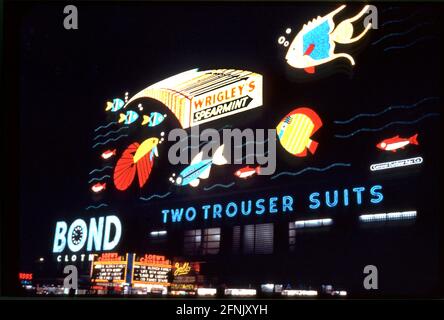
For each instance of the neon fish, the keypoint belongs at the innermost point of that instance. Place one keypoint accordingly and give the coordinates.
(395, 143)
(295, 130)
(114, 106)
(136, 158)
(315, 43)
(129, 117)
(146, 147)
(246, 172)
(199, 168)
(108, 154)
(98, 187)
(154, 119)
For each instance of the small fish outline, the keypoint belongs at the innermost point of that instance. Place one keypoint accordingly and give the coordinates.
(108, 153)
(114, 105)
(129, 117)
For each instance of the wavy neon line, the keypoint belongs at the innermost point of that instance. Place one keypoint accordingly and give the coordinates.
(104, 127)
(226, 186)
(99, 179)
(398, 20)
(111, 132)
(385, 110)
(389, 9)
(96, 207)
(410, 44)
(387, 125)
(161, 196)
(100, 170)
(400, 33)
(337, 164)
(244, 157)
(194, 147)
(111, 139)
(249, 142)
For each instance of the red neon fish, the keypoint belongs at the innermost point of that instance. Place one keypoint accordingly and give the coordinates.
(247, 171)
(98, 187)
(127, 165)
(395, 143)
(108, 154)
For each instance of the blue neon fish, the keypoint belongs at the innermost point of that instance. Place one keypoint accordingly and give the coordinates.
(199, 168)
(129, 117)
(154, 119)
(114, 106)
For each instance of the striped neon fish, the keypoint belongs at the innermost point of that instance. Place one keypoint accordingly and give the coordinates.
(295, 130)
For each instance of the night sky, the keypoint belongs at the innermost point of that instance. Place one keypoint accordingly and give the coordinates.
(67, 75)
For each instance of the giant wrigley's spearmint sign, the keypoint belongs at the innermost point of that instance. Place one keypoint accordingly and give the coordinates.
(196, 97)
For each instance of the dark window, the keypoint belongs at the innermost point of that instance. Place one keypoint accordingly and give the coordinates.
(258, 239)
(202, 241)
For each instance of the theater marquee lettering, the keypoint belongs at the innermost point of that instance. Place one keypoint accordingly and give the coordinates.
(273, 205)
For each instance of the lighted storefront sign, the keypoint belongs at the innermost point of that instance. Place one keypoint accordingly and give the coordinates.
(181, 269)
(25, 278)
(109, 268)
(272, 205)
(151, 270)
(75, 258)
(185, 276)
(102, 233)
(396, 164)
(197, 97)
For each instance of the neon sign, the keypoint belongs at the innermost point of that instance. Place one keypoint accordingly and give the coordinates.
(151, 269)
(295, 130)
(197, 97)
(25, 276)
(109, 268)
(396, 164)
(395, 143)
(199, 168)
(183, 269)
(273, 205)
(136, 158)
(96, 236)
(315, 43)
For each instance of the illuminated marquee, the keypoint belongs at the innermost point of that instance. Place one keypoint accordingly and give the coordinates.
(109, 268)
(197, 97)
(151, 269)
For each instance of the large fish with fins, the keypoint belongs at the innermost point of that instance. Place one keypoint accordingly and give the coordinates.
(199, 168)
